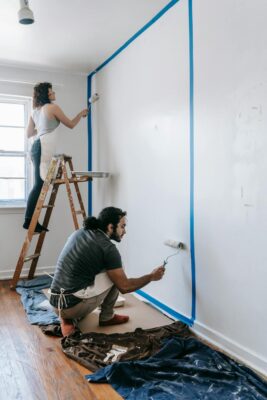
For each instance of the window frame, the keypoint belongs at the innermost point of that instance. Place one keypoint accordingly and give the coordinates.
(28, 173)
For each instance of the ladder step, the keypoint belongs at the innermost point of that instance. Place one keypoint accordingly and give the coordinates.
(32, 257)
(48, 206)
(72, 180)
(78, 212)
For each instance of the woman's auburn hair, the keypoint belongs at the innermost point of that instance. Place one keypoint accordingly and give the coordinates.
(40, 94)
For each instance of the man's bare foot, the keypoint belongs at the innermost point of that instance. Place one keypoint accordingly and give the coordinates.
(67, 327)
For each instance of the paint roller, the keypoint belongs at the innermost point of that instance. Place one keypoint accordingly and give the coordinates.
(175, 245)
(93, 99)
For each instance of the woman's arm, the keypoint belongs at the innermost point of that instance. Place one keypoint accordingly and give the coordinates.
(31, 131)
(60, 116)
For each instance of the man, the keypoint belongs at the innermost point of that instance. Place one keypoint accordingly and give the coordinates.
(89, 272)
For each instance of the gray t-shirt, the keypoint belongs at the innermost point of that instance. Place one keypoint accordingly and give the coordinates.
(85, 254)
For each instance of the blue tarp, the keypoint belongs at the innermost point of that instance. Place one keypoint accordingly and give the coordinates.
(38, 310)
(183, 369)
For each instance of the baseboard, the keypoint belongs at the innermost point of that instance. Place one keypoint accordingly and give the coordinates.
(231, 348)
(8, 274)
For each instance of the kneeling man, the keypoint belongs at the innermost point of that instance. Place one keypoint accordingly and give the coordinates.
(89, 272)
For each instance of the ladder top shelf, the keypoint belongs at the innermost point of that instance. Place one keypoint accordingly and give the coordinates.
(92, 174)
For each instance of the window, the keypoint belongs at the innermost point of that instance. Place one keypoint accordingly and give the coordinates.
(15, 171)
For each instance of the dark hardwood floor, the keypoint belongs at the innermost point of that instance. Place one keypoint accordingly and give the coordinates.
(33, 366)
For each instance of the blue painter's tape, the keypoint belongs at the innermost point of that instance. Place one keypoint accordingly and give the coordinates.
(129, 41)
(165, 308)
(192, 177)
(192, 157)
(90, 152)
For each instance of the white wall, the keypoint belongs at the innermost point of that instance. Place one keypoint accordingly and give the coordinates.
(141, 132)
(141, 135)
(71, 95)
(231, 187)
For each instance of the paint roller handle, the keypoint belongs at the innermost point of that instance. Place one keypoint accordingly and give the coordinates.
(157, 273)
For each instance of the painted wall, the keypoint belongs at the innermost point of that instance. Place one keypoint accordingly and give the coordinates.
(71, 96)
(141, 134)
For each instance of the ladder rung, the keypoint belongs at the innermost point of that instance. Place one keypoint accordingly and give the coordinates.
(32, 257)
(78, 212)
(72, 180)
(48, 206)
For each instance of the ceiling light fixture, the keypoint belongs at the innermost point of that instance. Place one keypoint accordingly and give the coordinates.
(25, 14)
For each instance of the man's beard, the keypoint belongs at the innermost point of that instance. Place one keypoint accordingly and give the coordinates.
(115, 236)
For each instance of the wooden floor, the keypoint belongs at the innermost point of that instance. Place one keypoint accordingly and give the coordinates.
(33, 366)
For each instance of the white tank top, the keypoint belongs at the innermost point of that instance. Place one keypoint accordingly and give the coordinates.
(43, 124)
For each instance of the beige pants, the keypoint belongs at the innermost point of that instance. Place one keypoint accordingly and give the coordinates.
(102, 293)
(106, 300)
(48, 149)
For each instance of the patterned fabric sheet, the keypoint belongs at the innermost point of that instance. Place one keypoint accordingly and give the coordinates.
(183, 369)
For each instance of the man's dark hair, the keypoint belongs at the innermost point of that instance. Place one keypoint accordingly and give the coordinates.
(40, 94)
(109, 215)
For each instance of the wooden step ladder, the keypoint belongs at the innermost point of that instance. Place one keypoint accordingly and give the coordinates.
(57, 175)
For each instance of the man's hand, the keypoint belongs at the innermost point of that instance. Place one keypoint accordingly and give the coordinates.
(157, 273)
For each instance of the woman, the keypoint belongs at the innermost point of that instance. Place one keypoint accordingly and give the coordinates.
(43, 122)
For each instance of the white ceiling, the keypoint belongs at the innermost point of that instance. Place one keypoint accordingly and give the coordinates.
(74, 35)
